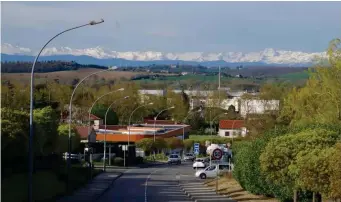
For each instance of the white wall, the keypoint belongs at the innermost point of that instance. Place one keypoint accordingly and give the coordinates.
(257, 106)
(233, 132)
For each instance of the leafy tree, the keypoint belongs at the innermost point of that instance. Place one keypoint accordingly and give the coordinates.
(63, 138)
(160, 144)
(173, 143)
(188, 144)
(315, 169)
(180, 102)
(279, 158)
(46, 124)
(14, 133)
(100, 110)
(146, 144)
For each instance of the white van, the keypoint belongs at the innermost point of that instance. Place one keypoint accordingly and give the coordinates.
(214, 170)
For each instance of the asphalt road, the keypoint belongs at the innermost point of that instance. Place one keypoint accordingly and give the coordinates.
(157, 184)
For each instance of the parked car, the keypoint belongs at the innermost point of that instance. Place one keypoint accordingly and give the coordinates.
(189, 157)
(201, 163)
(174, 158)
(213, 170)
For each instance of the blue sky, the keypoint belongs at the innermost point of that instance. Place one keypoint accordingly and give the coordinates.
(174, 26)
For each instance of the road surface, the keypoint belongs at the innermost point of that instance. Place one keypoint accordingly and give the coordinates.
(158, 184)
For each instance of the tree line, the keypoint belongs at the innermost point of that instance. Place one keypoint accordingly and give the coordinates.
(43, 66)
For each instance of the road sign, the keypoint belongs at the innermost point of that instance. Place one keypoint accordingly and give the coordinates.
(217, 154)
(196, 148)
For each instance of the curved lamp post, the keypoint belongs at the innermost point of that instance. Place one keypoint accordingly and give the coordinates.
(156, 118)
(183, 129)
(31, 106)
(105, 129)
(70, 118)
(155, 122)
(93, 104)
(130, 119)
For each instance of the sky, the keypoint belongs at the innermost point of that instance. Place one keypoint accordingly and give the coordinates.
(174, 26)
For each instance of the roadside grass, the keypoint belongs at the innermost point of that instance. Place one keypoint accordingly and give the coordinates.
(48, 185)
(227, 185)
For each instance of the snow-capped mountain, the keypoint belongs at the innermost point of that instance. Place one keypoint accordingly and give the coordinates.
(267, 56)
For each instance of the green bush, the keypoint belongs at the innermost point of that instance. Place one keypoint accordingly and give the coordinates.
(247, 166)
(118, 161)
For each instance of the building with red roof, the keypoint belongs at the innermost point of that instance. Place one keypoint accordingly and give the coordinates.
(232, 128)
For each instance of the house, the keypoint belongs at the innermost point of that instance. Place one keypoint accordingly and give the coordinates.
(232, 128)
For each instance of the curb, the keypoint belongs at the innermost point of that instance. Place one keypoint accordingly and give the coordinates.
(106, 189)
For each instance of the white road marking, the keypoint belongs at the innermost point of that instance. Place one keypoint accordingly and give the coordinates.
(146, 184)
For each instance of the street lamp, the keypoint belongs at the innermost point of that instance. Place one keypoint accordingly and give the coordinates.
(130, 119)
(155, 122)
(30, 172)
(93, 104)
(158, 115)
(70, 117)
(105, 129)
(183, 129)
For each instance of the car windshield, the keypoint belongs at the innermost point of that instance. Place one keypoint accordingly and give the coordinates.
(173, 156)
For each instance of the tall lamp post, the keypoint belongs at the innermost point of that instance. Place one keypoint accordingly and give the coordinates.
(183, 129)
(93, 104)
(131, 116)
(70, 119)
(155, 122)
(157, 116)
(211, 133)
(105, 129)
(30, 172)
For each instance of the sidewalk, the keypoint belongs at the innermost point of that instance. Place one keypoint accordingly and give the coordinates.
(199, 192)
(94, 189)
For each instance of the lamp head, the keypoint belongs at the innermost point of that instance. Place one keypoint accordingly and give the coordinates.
(121, 89)
(172, 107)
(126, 97)
(93, 22)
(150, 103)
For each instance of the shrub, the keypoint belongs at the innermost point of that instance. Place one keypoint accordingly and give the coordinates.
(247, 166)
(118, 161)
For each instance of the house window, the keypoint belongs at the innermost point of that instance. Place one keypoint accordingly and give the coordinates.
(227, 133)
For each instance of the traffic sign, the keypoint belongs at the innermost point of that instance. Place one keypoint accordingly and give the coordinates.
(196, 148)
(217, 154)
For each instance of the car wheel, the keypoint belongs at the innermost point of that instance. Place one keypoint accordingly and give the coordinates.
(203, 176)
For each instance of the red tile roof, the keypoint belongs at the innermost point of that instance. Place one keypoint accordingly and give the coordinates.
(83, 131)
(93, 117)
(231, 124)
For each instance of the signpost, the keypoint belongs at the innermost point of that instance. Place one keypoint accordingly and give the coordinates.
(196, 148)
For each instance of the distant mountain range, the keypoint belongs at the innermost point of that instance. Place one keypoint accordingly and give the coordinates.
(100, 56)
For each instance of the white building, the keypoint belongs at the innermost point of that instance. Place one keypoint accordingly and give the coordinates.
(232, 128)
(257, 106)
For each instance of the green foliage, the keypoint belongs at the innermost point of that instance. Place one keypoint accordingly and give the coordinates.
(173, 143)
(188, 144)
(247, 168)
(147, 144)
(314, 170)
(118, 161)
(278, 160)
(14, 133)
(100, 110)
(63, 138)
(160, 144)
(46, 135)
